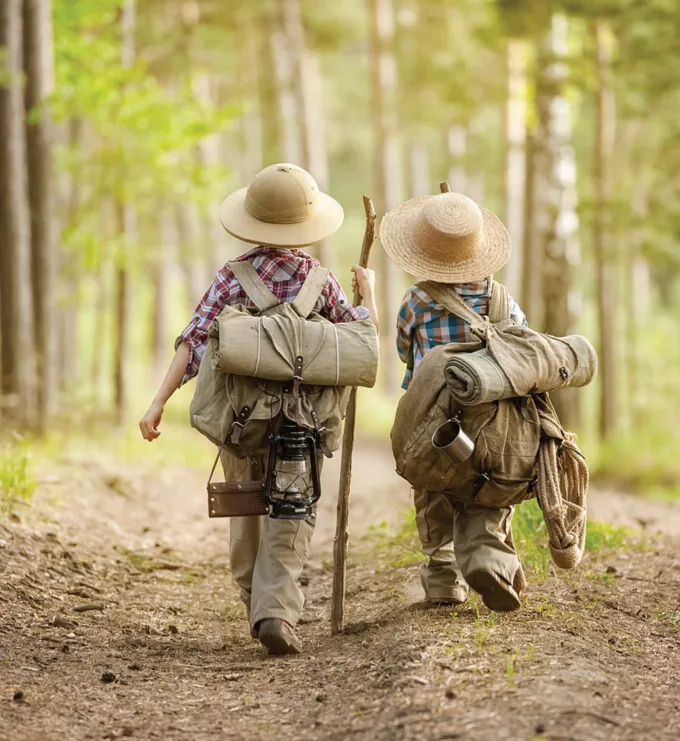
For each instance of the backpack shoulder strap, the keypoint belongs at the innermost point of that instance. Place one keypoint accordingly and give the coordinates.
(310, 291)
(253, 285)
(450, 300)
(499, 304)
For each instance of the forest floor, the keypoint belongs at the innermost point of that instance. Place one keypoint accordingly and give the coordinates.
(592, 655)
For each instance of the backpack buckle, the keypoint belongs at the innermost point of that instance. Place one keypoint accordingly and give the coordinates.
(236, 429)
(297, 375)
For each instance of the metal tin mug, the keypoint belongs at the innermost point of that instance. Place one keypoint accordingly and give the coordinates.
(451, 440)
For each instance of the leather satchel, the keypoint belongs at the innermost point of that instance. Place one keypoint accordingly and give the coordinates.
(235, 498)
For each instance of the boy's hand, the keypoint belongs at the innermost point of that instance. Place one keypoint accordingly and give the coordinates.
(363, 280)
(150, 421)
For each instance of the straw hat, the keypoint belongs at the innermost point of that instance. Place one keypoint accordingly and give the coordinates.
(282, 207)
(446, 238)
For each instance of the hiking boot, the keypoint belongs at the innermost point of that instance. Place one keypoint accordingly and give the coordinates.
(496, 593)
(278, 637)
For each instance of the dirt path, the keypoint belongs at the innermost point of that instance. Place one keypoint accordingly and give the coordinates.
(592, 655)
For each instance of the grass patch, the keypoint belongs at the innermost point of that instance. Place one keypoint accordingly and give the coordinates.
(17, 482)
(646, 463)
(402, 548)
(397, 549)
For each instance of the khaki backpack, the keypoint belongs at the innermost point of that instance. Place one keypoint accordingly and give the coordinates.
(242, 411)
(521, 450)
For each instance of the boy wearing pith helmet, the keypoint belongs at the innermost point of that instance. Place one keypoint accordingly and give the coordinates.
(455, 246)
(281, 211)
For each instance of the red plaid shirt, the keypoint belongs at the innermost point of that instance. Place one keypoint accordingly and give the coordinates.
(283, 272)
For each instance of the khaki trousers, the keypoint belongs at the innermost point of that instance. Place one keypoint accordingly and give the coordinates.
(266, 555)
(460, 538)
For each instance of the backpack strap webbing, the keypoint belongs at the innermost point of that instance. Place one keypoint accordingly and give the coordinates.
(446, 295)
(310, 291)
(253, 285)
(499, 304)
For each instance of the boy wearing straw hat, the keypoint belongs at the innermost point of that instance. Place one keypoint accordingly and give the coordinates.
(449, 239)
(281, 211)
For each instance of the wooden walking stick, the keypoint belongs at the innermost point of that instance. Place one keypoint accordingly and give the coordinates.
(341, 534)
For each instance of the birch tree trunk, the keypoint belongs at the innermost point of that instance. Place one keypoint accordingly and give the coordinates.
(126, 228)
(18, 373)
(386, 169)
(39, 69)
(557, 200)
(515, 160)
(605, 265)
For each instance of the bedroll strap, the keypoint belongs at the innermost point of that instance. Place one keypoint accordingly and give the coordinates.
(311, 289)
(253, 285)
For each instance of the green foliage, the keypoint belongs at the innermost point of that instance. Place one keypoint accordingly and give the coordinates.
(401, 548)
(602, 536)
(17, 482)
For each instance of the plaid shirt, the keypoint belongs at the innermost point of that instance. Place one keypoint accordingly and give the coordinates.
(423, 323)
(283, 272)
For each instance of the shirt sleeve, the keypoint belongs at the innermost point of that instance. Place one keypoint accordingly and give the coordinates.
(195, 334)
(405, 323)
(516, 314)
(334, 305)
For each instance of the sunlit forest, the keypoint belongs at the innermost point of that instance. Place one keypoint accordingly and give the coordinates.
(123, 126)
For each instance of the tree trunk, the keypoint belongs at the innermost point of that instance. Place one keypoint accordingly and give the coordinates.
(208, 155)
(605, 265)
(285, 77)
(515, 159)
(18, 376)
(557, 201)
(386, 174)
(420, 182)
(251, 121)
(126, 229)
(39, 69)
(160, 311)
(532, 262)
(456, 144)
(70, 273)
(195, 279)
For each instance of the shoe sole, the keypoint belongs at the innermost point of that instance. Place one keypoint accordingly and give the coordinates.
(494, 595)
(445, 601)
(276, 642)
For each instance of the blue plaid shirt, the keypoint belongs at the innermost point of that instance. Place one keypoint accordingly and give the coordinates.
(423, 323)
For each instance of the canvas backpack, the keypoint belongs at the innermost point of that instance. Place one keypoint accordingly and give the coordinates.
(521, 450)
(243, 411)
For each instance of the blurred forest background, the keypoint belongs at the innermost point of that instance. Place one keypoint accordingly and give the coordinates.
(124, 123)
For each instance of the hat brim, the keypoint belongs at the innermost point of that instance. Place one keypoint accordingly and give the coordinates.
(397, 238)
(242, 225)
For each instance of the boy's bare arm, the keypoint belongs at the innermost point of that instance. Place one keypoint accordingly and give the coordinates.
(148, 425)
(364, 280)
